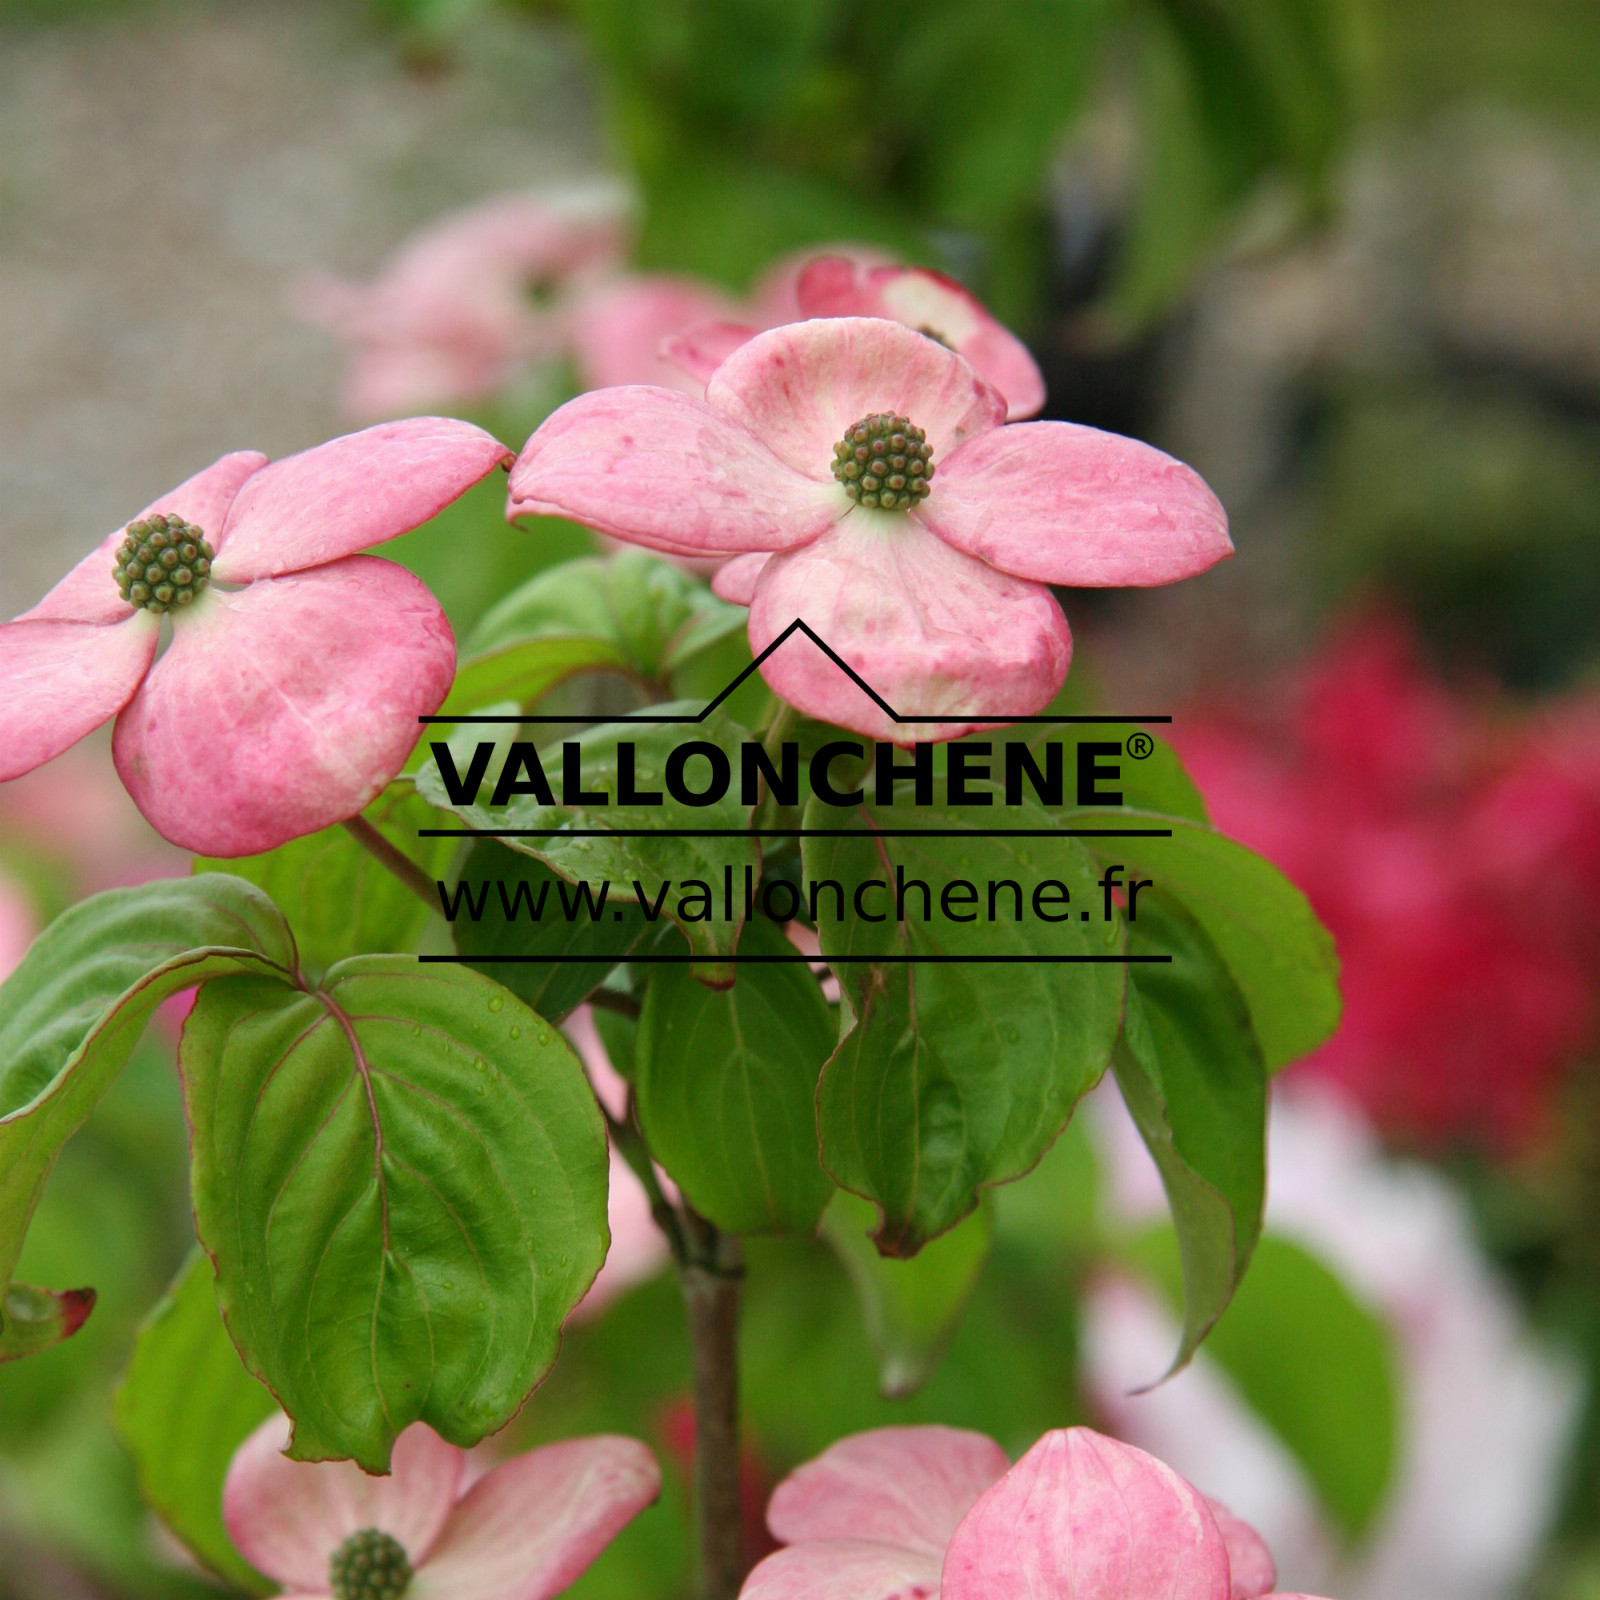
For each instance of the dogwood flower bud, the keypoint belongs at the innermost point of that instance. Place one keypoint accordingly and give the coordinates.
(369, 1565)
(884, 462)
(162, 563)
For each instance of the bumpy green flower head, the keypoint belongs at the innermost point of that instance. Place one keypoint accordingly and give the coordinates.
(163, 563)
(370, 1565)
(884, 462)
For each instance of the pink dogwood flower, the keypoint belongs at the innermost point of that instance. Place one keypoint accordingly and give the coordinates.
(620, 330)
(865, 479)
(526, 1530)
(297, 669)
(468, 303)
(929, 302)
(932, 1513)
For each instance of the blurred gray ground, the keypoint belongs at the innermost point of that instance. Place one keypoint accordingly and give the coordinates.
(165, 171)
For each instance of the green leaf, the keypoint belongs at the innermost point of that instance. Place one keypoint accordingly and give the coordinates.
(1281, 957)
(727, 1088)
(402, 1181)
(1191, 1074)
(338, 899)
(708, 655)
(550, 987)
(953, 1077)
(1158, 782)
(1314, 1363)
(655, 868)
(526, 670)
(75, 1006)
(1233, 92)
(910, 1308)
(630, 609)
(183, 1408)
(36, 1319)
(620, 1036)
(995, 87)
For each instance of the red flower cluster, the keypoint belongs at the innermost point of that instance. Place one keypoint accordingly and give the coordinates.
(1453, 848)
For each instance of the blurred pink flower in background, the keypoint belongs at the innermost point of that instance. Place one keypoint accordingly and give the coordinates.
(76, 818)
(525, 1530)
(940, 602)
(638, 1247)
(18, 924)
(620, 330)
(1455, 856)
(289, 694)
(1486, 1412)
(922, 1512)
(470, 302)
(862, 284)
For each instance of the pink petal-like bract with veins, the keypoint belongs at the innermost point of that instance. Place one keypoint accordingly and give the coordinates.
(933, 305)
(89, 592)
(844, 1569)
(700, 349)
(735, 581)
(536, 1523)
(1252, 1571)
(935, 633)
(1083, 1516)
(353, 492)
(799, 388)
(619, 332)
(284, 707)
(659, 469)
(63, 679)
(1066, 504)
(288, 1517)
(898, 1486)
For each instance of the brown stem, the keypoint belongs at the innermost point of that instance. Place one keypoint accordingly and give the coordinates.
(712, 1281)
(623, 1005)
(395, 860)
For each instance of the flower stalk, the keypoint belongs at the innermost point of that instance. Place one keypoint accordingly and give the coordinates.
(713, 1282)
(393, 860)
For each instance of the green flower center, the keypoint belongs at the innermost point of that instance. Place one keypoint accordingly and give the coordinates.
(163, 562)
(370, 1565)
(884, 462)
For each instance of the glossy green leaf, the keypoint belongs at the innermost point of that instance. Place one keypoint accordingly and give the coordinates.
(1316, 1365)
(74, 1008)
(402, 1181)
(910, 1308)
(339, 900)
(954, 1076)
(630, 609)
(727, 1087)
(36, 1319)
(184, 1406)
(1191, 1074)
(697, 884)
(1280, 955)
(522, 909)
(1158, 782)
(525, 670)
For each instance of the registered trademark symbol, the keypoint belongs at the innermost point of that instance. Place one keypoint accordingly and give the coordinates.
(1141, 746)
